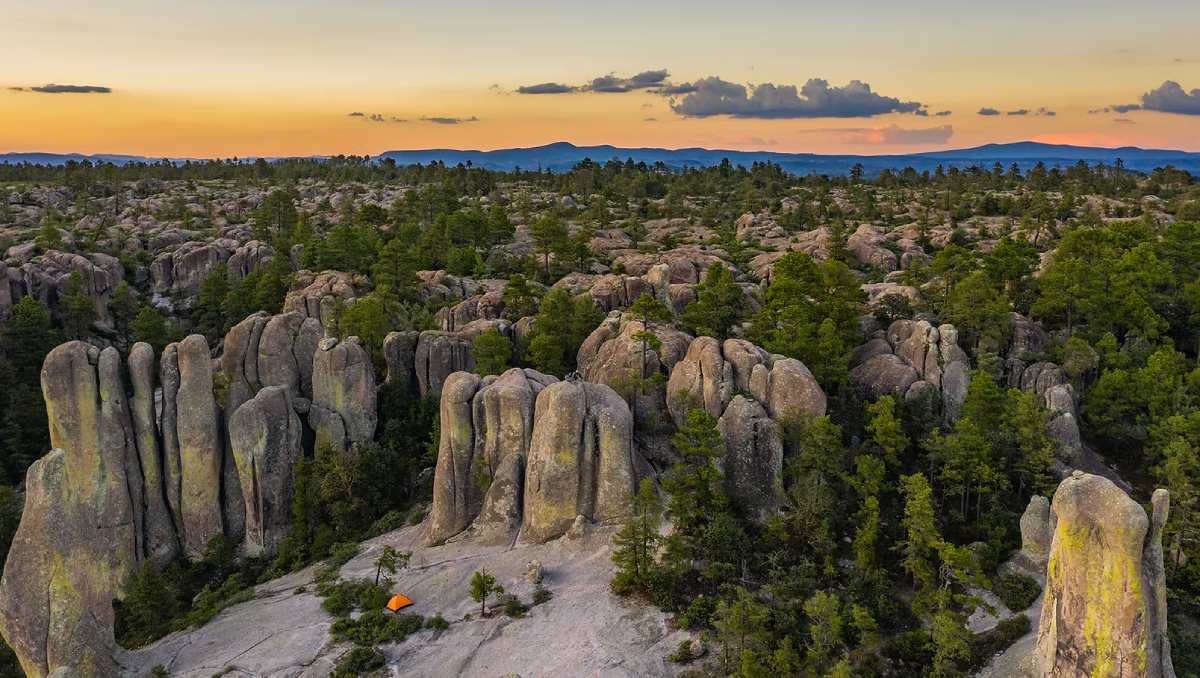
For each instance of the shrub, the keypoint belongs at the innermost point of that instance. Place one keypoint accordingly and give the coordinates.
(991, 643)
(437, 622)
(513, 606)
(212, 600)
(392, 520)
(376, 626)
(340, 554)
(1016, 591)
(358, 661)
(343, 597)
(683, 653)
(698, 613)
(541, 595)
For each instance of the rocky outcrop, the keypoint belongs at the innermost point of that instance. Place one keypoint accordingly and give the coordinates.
(1048, 382)
(580, 459)
(400, 354)
(176, 276)
(712, 372)
(316, 295)
(867, 246)
(193, 444)
(487, 306)
(923, 360)
(81, 533)
(1037, 529)
(486, 427)
(1105, 612)
(161, 543)
(753, 461)
(343, 403)
(265, 435)
(45, 278)
(612, 355)
(439, 354)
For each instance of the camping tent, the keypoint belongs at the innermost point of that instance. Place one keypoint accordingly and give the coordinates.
(399, 602)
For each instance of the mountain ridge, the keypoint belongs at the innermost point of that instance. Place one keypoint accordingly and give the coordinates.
(562, 156)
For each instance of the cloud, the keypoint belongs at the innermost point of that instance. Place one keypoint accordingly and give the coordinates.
(545, 88)
(71, 89)
(1124, 121)
(988, 111)
(375, 117)
(941, 114)
(439, 120)
(675, 90)
(1170, 97)
(1041, 110)
(1116, 108)
(649, 119)
(608, 84)
(616, 85)
(815, 99)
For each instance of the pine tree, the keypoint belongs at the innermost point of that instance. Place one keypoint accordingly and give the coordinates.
(76, 307)
(484, 585)
(550, 236)
(922, 539)
(635, 545)
(695, 494)
(492, 352)
(885, 428)
(719, 305)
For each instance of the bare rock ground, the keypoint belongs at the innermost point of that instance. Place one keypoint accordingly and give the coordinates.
(584, 630)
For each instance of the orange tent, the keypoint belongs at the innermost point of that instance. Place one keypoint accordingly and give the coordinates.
(399, 602)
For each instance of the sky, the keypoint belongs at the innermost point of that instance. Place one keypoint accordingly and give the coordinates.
(221, 78)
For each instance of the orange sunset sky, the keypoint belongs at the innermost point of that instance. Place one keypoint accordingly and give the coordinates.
(267, 77)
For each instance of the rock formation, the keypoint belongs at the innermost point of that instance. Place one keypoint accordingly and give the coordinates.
(753, 462)
(193, 444)
(580, 459)
(1105, 612)
(439, 354)
(343, 403)
(162, 544)
(81, 533)
(914, 360)
(265, 435)
(486, 426)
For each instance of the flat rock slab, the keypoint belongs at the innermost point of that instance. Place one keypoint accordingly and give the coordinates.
(583, 630)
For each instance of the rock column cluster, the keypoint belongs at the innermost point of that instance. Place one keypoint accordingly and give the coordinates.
(128, 481)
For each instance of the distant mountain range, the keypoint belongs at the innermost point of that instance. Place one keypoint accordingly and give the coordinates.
(562, 156)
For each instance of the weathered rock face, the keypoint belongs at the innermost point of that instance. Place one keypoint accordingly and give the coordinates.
(400, 353)
(487, 306)
(343, 404)
(867, 246)
(580, 459)
(455, 492)
(711, 372)
(45, 277)
(1105, 602)
(486, 428)
(438, 355)
(753, 463)
(611, 355)
(921, 356)
(81, 534)
(179, 273)
(1049, 383)
(194, 439)
(314, 295)
(264, 435)
(161, 543)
